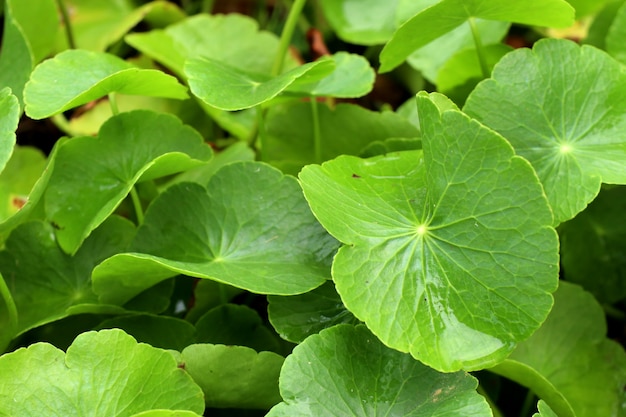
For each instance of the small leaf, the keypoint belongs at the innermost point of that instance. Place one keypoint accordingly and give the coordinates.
(442, 246)
(104, 373)
(229, 88)
(234, 376)
(570, 125)
(252, 230)
(232, 324)
(353, 77)
(131, 147)
(346, 371)
(446, 15)
(20, 174)
(346, 129)
(299, 316)
(159, 331)
(9, 117)
(569, 362)
(544, 410)
(62, 83)
(57, 285)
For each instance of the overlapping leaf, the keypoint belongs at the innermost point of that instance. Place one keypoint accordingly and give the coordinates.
(570, 125)
(299, 316)
(447, 15)
(569, 362)
(9, 117)
(345, 371)
(125, 378)
(449, 256)
(234, 376)
(63, 82)
(97, 173)
(48, 284)
(252, 230)
(21, 173)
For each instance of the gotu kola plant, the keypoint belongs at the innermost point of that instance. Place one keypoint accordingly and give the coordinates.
(221, 230)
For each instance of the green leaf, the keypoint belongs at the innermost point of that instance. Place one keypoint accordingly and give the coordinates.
(158, 331)
(18, 178)
(447, 15)
(29, 29)
(449, 256)
(232, 324)
(234, 376)
(63, 82)
(353, 77)
(569, 125)
(345, 371)
(9, 117)
(131, 147)
(586, 7)
(209, 294)
(8, 315)
(544, 410)
(98, 25)
(617, 31)
(167, 413)
(569, 362)
(389, 146)
(47, 284)
(346, 129)
(601, 24)
(229, 88)
(363, 22)
(592, 246)
(252, 230)
(299, 316)
(104, 373)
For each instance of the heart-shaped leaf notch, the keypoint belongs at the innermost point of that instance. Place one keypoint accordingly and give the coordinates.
(449, 254)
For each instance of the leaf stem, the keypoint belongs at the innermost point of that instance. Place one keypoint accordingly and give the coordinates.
(613, 312)
(10, 303)
(65, 16)
(260, 130)
(113, 103)
(482, 60)
(527, 406)
(317, 136)
(286, 35)
(134, 196)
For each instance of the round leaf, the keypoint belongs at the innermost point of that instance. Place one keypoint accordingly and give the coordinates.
(133, 146)
(104, 373)
(234, 376)
(570, 125)
(63, 82)
(454, 246)
(346, 372)
(252, 230)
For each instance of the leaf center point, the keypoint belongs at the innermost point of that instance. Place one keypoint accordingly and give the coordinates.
(422, 230)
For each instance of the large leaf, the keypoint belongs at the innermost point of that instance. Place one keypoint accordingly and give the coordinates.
(449, 256)
(104, 373)
(48, 284)
(98, 24)
(447, 15)
(234, 376)
(289, 139)
(592, 246)
(63, 82)
(9, 117)
(570, 125)
(345, 371)
(299, 316)
(252, 230)
(28, 36)
(569, 362)
(98, 172)
(228, 88)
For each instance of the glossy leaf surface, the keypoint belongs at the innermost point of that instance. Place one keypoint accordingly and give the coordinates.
(346, 371)
(234, 376)
(57, 285)
(228, 88)
(130, 147)
(569, 362)
(570, 125)
(252, 230)
(446, 15)
(442, 247)
(63, 82)
(121, 382)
